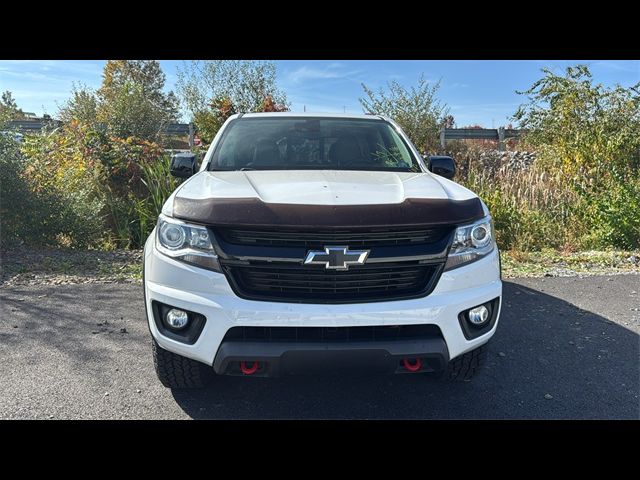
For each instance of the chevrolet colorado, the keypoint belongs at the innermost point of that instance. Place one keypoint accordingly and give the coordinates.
(309, 243)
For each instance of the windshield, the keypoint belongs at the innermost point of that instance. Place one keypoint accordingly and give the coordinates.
(312, 143)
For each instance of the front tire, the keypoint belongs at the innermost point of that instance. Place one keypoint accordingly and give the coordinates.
(464, 367)
(176, 371)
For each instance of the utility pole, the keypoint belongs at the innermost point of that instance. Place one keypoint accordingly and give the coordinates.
(191, 135)
(304, 108)
(501, 139)
(344, 109)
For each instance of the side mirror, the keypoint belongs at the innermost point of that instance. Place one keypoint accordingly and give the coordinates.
(183, 165)
(443, 166)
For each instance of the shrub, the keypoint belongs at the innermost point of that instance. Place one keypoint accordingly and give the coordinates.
(62, 176)
(39, 212)
(98, 182)
(145, 208)
(590, 135)
(615, 213)
(13, 188)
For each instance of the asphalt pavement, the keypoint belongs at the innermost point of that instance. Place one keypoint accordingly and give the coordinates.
(566, 348)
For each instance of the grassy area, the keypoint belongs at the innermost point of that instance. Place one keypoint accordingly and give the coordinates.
(554, 263)
(126, 271)
(60, 266)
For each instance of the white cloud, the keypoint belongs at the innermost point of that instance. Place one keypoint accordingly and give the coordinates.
(69, 66)
(331, 71)
(41, 85)
(22, 75)
(621, 66)
(47, 72)
(39, 95)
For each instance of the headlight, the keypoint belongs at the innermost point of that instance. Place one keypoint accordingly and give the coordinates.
(471, 242)
(172, 236)
(186, 242)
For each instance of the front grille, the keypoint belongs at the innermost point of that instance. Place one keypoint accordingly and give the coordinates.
(267, 264)
(293, 282)
(355, 238)
(333, 334)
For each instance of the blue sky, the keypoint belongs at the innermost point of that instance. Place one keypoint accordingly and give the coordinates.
(477, 91)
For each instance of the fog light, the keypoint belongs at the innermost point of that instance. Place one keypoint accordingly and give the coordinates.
(479, 315)
(177, 318)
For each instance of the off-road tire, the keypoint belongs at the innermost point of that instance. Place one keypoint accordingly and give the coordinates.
(176, 371)
(464, 367)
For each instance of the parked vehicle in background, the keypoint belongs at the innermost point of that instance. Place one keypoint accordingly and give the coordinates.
(313, 242)
(16, 136)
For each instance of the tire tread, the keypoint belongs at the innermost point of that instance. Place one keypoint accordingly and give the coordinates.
(464, 367)
(176, 371)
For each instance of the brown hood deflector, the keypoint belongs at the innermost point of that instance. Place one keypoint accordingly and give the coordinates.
(254, 212)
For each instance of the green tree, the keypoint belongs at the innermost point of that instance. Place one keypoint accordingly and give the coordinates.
(416, 109)
(132, 101)
(81, 107)
(212, 90)
(9, 109)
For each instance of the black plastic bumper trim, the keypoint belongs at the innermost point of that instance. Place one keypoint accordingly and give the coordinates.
(282, 358)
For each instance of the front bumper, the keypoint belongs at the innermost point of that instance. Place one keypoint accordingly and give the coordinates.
(275, 359)
(208, 293)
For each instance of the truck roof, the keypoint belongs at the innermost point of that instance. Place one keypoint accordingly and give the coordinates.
(308, 114)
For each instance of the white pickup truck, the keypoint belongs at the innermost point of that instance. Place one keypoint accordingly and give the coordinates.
(314, 243)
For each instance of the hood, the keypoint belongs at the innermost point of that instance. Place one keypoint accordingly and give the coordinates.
(319, 187)
(321, 197)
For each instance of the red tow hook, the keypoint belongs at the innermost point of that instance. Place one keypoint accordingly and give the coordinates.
(412, 367)
(249, 370)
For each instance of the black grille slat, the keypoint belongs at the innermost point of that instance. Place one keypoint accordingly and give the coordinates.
(345, 275)
(331, 288)
(319, 270)
(319, 280)
(351, 284)
(354, 238)
(295, 282)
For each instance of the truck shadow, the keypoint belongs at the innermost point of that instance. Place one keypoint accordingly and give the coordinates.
(548, 359)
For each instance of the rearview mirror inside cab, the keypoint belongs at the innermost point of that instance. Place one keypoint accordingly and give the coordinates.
(443, 166)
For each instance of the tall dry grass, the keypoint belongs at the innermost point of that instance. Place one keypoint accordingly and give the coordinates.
(532, 208)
